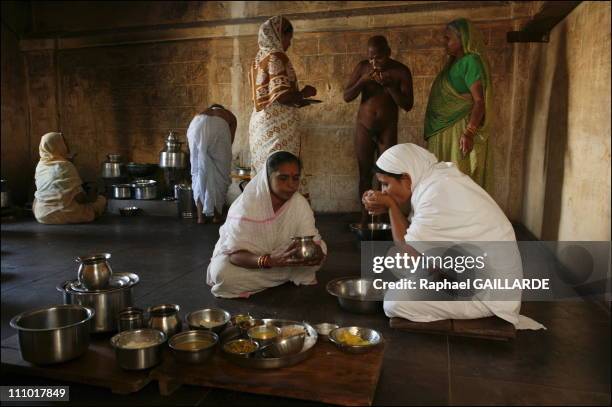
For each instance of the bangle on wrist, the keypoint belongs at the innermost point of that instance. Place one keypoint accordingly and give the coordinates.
(266, 261)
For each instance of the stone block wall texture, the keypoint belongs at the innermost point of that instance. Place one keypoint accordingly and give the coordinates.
(567, 168)
(126, 95)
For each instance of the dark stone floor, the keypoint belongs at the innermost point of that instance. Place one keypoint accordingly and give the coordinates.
(567, 364)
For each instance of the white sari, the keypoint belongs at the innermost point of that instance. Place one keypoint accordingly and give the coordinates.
(448, 206)
(253, 226)
(210, 151)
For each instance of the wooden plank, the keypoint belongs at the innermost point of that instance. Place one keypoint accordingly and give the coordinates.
(492, 328)
(328, 375)
(97, 367)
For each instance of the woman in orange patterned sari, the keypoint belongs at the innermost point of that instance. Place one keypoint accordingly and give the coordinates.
(274, 124)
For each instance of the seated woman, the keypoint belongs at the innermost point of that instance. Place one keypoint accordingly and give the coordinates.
(254, 251)
(447, 206)
(59, 196)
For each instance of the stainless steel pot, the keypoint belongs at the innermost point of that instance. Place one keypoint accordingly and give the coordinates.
(113, 167)
(193, 354)
(122, 191)
(165, 318)
(145, 189)
(172, 156)
(53, 334)
(140, 357)
(94, 271)
(131, 318)
(106, 303)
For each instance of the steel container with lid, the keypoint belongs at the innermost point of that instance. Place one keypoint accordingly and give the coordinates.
(113, 167)
(172, 156)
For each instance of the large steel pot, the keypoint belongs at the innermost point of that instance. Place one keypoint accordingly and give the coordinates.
(107, 303)
(172, 156)
(53, 334)
(122, 191)
(145, 189)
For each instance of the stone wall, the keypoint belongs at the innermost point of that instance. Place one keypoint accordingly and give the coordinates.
(125, 96)
(567, 169)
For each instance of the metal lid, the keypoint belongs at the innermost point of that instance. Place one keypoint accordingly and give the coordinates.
(119, 281)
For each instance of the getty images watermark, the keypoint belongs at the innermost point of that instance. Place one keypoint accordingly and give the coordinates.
(495, 271)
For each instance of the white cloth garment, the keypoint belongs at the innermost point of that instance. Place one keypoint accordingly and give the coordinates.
(448, 206)
(210, 149)
(252, 225)
(57, 185)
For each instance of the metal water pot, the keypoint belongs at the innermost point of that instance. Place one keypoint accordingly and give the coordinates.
(307, 248)
(172, 156)
(94, 271)
(113, 167)
(165, 318)
(185, 204)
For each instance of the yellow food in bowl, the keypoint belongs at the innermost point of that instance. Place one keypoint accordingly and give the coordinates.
(264, 334)
(240, 347)
(352, 339)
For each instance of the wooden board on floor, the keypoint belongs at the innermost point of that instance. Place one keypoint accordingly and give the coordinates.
(485, 328)
(328, 376)
(97, 367)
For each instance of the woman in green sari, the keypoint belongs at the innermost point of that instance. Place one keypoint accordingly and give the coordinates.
(458, 112)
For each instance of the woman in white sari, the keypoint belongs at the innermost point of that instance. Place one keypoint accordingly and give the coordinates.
(274, 124)
(59, 196)
(447, 206)
(254, 251)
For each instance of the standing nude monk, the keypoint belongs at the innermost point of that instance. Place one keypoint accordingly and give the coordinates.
(384, 84)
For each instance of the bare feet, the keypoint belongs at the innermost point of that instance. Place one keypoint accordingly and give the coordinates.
(202, 220)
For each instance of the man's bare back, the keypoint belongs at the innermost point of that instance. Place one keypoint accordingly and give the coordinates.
(384, 84)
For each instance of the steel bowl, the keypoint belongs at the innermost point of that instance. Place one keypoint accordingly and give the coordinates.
(356, 294)
(213, 319)
(243, 171)
(227, 346)
(186, 349)
(147, 355)
(145, 189)
(285, 346)
(372, 231)
(236, 318)
(368, 334)
(129, 211)
(94, 271)
(121, 191)
(264, 334)
(307, 248)
(324, 329)
(53, 334)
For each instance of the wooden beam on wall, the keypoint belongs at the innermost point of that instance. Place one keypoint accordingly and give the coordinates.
(542, 23)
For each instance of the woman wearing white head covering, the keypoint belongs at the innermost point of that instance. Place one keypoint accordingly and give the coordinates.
(59, 196)
(447, 206)
(254, 251)
(274, 124)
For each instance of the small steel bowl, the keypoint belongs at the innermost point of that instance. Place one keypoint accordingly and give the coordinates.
(129, 211)
(138, 358)
(237, 318)
(286, 346)
(226, 347)
(193, 354)
(372, 231)
(131, 318)
(244, 326)
(210, 319)
(372, 336)
(356, 294)
(324, 329)
(264, 334)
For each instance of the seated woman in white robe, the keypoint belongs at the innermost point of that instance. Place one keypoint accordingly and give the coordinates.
(210, 136)
(447, 206)
(59, 196)
(254, 251)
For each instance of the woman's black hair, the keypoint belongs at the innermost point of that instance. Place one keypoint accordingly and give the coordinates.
(217, 105)
(281, 157)
(379, 170)
(288, 27)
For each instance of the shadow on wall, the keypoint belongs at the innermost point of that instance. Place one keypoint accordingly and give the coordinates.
(556, 141)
